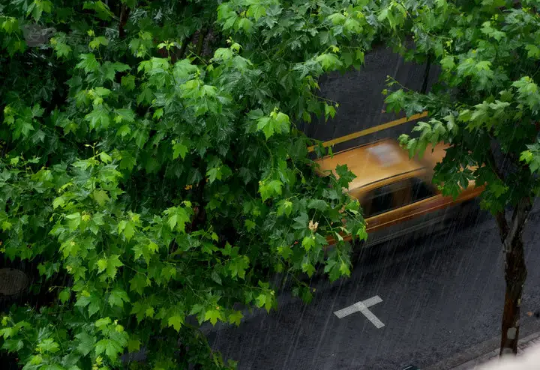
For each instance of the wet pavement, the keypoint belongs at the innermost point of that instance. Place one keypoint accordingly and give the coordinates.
(440, 295)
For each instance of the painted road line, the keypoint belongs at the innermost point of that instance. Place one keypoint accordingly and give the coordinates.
(354, 308)
(370, 130)
(363, 307)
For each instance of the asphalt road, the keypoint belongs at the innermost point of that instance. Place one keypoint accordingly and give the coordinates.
(440, 295)
(361, 103)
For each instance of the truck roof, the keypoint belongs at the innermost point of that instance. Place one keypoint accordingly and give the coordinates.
(378, 161)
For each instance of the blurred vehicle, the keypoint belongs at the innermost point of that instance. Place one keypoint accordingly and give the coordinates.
(396, 192)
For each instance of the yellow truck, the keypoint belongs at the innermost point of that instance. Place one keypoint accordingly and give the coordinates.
(395, 191)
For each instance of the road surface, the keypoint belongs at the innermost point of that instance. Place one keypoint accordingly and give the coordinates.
(438, 296)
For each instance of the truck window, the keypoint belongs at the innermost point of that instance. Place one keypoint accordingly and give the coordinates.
(396, 195)
(385, 198)
(420, 190)
(381, 201)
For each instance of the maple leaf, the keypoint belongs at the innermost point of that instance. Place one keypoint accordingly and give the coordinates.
(176, 322)
(213, 315)
(86, 343)
(110, 265)
(88, 63)
(117, 297)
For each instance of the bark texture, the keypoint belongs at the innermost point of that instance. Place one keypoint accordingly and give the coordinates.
(515, 273)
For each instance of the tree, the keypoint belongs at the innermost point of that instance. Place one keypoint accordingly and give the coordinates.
(151, 171)
(486, 104)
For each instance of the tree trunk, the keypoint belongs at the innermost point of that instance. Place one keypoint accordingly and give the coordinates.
(515, 273)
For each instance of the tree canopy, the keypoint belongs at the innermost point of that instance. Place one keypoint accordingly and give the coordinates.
(152, 171)
(487, 106)
(487, 100)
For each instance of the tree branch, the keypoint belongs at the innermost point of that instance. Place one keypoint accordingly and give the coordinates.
(519, 219)
(200, 43)
(502, 224)
(493, 165)
(124, 15)
(184, 46)
(426, 73)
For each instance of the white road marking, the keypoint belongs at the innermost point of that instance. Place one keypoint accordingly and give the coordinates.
(363, 307)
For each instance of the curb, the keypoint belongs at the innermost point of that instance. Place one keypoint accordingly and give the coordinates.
(494, 355)
(473, 357)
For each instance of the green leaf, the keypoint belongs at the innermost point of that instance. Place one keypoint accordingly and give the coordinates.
(277, 123)
(91, 301)
(318, 204)
(138, 283)
(238, 266)
(88, 63)
(158, 114)
(101, 197)
(337, 18)
(37, 7)
(105, 158)
(533, 51)
(301, 222)
(284, 207)
(128, 82)
(111, 348)
(448, 63)
(308, 242)
(329, 61)
(285, 252)
(98, 41)
(345, 176)
(102, 10)
(176, 322)
(223, 54)
(74, 220)
(329, 111)
(344, 269)
(10, 25)
(127, 228)
(213, 174)
(134, 345)
(308, 268)
(62, 50)
(98, 118)
(250, 225)
(245, 24)
(64, 295)
(48, 345)
(483, 65)
(124, 115)
(118, 297)
(109, 265)
(215, 276)
(184, 70)
(332, 269)
(168, 273)
(146, 96)
(360, 56)
(178, 217)
(58, 202)
(526, 156)
(395, 101)
(213, 315)
(270, 188)
(261, 300)
(236, 318)
(86, 343)
(362, 234)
